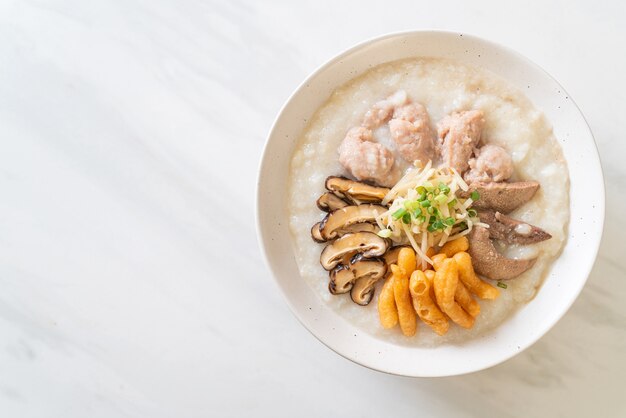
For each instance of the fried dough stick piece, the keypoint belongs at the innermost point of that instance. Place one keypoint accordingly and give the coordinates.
(407, 264)
(424, 305)
(387, 311)
(469, 278)
(455, 246)
(445, 284)
(464, 298)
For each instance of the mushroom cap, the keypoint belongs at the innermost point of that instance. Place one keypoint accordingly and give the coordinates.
(329, 202)
(341, 279)
(358, 276)
(360, 227)
(368, 273)
(350, 229)
(356, 191)
(344, 217)
(366, 243)
(316, 234)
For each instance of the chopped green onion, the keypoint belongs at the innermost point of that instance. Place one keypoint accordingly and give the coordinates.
(421, 190)
(398, 214)
(452, 203)
(384, 233)
(502, 285)
(431, 228)
(472, 213)
(421, 197)
(441, 199)
(463, 226)
(438, 225)
(475, 195)
(444, 188)
(449, 221)
(425, 203)
(411, 205)
(429, 186)
(436, 212)
(430, 210)
(406, 218)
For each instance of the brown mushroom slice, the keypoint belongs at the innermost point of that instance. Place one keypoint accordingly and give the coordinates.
(316, 234)
(350, 229)
(341, 279)
(511, 231)
(350, 215)
(329, 202)
(360, 270)
(341, 276)
(356, 191)
(367, 272)
(502, 197)
(366, 243)
(488, 262)
(360, 227)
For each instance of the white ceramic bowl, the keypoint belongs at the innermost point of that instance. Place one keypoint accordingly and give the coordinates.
(560, 288)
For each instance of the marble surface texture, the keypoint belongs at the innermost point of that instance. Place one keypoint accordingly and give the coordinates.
(131, 282)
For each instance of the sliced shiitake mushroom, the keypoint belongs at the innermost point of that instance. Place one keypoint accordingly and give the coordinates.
(363, 289)
(329, 202)
(367, 272)
(355, 191)
(341, 279)
(361, 270)
(316, 234)
(366, 243)
(360, 227)
(350, 229)
(350, 215)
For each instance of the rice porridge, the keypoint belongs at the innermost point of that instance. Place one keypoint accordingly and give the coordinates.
(442, 87)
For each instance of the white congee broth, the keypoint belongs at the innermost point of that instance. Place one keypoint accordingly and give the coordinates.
(443, 87)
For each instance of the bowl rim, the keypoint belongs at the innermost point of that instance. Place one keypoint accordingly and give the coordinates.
(601, 203)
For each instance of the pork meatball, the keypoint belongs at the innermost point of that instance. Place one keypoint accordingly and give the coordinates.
(382, 110)
(459, 133)
(367, 160)
(491, 164)
(410, 130)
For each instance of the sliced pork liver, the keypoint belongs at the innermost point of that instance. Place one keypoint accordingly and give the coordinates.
(511, 231)
(488, 262)
(502, 197)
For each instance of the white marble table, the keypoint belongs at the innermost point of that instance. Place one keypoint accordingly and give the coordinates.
(131, 283)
